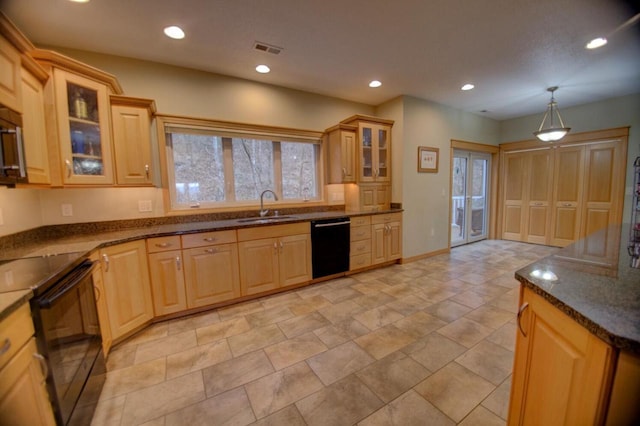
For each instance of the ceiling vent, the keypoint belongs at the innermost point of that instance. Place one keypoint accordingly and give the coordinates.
(269, 48)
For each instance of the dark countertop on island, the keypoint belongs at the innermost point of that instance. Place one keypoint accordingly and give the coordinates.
(595, 285)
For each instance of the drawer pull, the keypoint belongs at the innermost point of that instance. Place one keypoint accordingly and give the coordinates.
(566, 204)
(105, 259)
(163, 245)
(5, 346)
(209, 239)
(178, 263)
(520, 312)
(211, 250)
(43, 366)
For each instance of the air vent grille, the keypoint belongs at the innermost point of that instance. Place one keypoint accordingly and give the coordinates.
(269, 48)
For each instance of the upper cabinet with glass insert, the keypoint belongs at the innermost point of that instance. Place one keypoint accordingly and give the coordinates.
(79, 116)
(373, 158)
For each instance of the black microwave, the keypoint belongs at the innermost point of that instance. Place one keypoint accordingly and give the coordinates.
(13, 167)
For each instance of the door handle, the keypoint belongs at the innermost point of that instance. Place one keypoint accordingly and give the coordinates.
(178, 263)
(105, 259)
(69, 168)
(523, 308)
(146, 170)
(43, 366)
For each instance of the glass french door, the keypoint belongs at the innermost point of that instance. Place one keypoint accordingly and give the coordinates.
(469, 196)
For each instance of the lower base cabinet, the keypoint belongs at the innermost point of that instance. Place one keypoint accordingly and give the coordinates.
(562, 373)
(211, 274)
(386, 237)
(126, 287)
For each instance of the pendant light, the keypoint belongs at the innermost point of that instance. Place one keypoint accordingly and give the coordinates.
(553, 132)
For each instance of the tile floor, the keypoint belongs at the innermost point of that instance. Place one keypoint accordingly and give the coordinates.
(428, 342)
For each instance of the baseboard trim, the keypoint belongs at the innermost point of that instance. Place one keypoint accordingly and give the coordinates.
(425, 255)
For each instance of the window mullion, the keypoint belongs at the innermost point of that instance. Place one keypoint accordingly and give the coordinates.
(277, 168)
(229, 182)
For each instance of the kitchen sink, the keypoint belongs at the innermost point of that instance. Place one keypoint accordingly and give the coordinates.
(266, 219)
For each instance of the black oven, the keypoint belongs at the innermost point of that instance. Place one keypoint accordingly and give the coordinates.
(68, 336)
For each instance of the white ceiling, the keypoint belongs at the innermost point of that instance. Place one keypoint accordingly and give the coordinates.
(512, 50)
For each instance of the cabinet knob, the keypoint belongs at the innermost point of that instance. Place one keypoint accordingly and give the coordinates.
(69, 168)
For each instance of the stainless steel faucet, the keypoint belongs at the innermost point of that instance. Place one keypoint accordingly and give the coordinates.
(263, 211)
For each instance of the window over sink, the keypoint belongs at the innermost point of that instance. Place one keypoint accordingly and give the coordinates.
(212, 164)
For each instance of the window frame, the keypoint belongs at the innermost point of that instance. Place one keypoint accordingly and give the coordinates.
(228, 130)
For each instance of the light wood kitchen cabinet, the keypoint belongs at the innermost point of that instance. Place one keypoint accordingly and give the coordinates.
(131, 122)
(373, 148)
(360, 236)
(386, 237)
(127, 289)
(10, 69)
(341, 143)
(558, 193)
(561, 371)
(23, 395)
(101, 304)
(167, 275)
(34, 130)
(211, 267)
(274, 256)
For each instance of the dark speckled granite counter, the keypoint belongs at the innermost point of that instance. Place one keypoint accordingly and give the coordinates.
(595, 285)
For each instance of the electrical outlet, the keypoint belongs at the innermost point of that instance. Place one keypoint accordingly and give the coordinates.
(67, 209)
(145, 206)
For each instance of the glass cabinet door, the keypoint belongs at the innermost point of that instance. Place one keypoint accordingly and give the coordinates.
(382, 172)
(85, 139)
(366, 172)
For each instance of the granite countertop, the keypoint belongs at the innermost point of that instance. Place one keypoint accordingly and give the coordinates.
(592, 282)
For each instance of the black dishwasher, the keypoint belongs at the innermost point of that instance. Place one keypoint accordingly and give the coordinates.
(330, 246)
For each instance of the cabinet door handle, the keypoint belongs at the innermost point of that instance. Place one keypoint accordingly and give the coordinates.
(537, 204)
(105, 259)
(43, 366)
(209, 239)
(97, 292)
(69, 168)
(178, 263)
(5, 346)
(344, 171)
(163, 245)
(523, 308)
(211, 250)
(281, 245)
(146, 170)
(566, 204)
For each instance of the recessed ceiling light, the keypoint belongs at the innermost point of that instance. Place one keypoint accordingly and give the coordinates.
(596, 42)
(375, 83)
(174, 32)
(263, 69)
(467, 86)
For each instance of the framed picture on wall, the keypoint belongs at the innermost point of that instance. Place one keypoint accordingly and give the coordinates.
(428, 159)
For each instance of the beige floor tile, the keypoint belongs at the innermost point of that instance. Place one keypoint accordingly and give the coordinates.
(165, 346)
(375, 318)
(505, 336)
(498, 401)
(229, 408)
(256, 338)
(345, 402)
(337, 334)
(465, 331)
(240, 309)
(158, 400)
(308, 305)
(385, 340)
(408, 305)
(292, 351)
(373, 300)
(153, 332)
(370, 287)
(339, 362)
(197, 358)
(434, 351)
(435, 294)
(409, 409)
(419, 324)
(108, 411)
(341, 311)
(236, 372)
(282, 388)
(488, 360)
(121, 357)
(400, 290)
(490, 316)
(222, 330)
(129, 379)
(193, 321)
(448, 310)
(454, 390)
(289, 416)
(287, 299)
(482, 416)
(392, 376)
(160, 421)
(303, 324)
(471, 299)
(508, 301)
(268, 316)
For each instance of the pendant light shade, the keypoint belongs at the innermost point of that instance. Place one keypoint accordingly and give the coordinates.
(553, 131)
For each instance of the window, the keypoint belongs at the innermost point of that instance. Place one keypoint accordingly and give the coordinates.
(210, 165)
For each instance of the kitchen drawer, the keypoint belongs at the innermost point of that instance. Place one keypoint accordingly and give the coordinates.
(360, 221)
(274, 231)
(360, 233)
(360, 247)
(359, 261)
(15, 331)
(386, 218)
(163, 244)
(208, 238)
